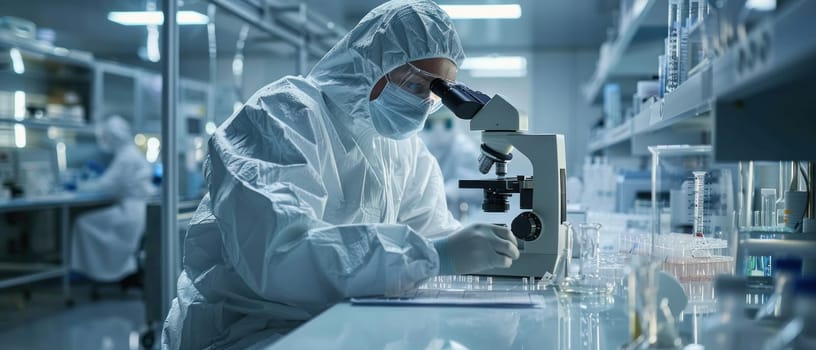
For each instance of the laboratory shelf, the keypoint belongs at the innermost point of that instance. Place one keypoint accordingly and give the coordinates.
(57, 76)
(691, 99)
(612, 136)
(794, 244)
(764, 90)
(768, 233)
(52, 52)
(772, 53)
(775, 242)
(638, 24)
(754, 100)
(45, 123)
(648, 114)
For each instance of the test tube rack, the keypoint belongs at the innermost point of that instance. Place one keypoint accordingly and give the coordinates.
(694, 261)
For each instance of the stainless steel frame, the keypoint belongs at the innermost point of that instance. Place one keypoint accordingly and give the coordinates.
(170, 92)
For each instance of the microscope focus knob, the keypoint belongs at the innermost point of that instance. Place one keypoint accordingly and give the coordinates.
(526, 226)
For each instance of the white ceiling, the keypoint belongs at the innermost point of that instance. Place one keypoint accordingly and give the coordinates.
(545, 24)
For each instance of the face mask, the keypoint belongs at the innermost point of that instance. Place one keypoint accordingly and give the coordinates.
(398, 114)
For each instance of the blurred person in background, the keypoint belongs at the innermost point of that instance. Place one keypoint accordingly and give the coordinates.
(105, 240)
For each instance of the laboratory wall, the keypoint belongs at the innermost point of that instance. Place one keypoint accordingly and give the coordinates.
(558, 77)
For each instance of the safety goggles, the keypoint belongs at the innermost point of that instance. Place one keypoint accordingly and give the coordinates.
(416, 81)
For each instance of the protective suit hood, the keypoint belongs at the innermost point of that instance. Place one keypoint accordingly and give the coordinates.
(113, 134)
(391, 35)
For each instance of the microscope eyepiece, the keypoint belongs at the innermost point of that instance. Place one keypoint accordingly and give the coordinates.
(440, 86)
(463, 102)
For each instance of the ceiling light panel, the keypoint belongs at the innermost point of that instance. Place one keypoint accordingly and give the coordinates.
(144, 18)
(503, 11)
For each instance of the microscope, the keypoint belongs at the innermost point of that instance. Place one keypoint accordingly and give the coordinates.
(542, 237)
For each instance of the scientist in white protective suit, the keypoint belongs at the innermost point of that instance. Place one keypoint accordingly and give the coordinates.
(105, 240)
(321, 190)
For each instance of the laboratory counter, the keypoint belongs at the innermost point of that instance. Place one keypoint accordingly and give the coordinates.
(554, 322)
(56, 201)
(28, 272)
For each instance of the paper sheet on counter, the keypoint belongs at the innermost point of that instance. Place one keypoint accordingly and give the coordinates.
(457, 298)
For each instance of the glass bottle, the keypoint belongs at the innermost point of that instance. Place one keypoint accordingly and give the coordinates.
(731, 329)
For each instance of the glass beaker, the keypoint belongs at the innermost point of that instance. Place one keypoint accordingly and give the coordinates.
(589, 279)
(589, 239)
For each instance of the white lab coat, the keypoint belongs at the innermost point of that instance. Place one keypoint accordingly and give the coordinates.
(105, 240)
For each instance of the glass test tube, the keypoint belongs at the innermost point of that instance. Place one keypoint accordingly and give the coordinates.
(672, 46)
(768, 208)
(699, 203)
(779, 206)
(694, 12)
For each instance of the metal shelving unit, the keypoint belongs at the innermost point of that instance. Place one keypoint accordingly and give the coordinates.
(755, 242)
(692, 98)
(688, 106)
(614, 136)
(740, 97)
(311, 33)
(753, 102)
(140, 106)
(763, 89)
(46, 72)
(771, 54)
(638, 27)
(51, 52)
(45, 124)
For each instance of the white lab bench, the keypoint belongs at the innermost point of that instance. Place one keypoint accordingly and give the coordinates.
(558, 323)
(36, 271)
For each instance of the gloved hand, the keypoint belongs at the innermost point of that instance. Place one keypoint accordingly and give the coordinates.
(475, 248)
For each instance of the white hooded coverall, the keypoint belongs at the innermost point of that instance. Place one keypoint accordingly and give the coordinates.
(307, 204)
(105, 241)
